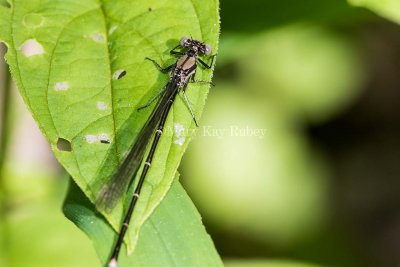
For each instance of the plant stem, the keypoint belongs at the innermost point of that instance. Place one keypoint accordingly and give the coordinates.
(5, 89)
(5, 100)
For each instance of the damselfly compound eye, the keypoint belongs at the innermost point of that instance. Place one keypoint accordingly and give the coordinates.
(207, 50)
(184, 41)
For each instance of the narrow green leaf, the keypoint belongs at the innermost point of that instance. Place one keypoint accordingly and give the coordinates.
(388, 8)
(66, 56)
(172, 236)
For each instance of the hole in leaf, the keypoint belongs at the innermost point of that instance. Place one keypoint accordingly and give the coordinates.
(64, 145)
(104, 139)
(150, 9)
(119, 74)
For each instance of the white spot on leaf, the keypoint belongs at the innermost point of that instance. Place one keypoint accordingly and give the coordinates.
(31, 48)
(100, 138)
(180, 141)
(101, 105)
(98, 37)
(61, 86)
(179, 132)
(179, 128)
(91, 138)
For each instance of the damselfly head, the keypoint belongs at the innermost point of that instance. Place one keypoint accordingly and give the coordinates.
(207, 50)
(185, 41)
(196, 46)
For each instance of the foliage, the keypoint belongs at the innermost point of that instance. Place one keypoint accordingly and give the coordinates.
(66, 58)
(389, 8)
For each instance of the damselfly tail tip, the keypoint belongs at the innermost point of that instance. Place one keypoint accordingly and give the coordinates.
(112, 263)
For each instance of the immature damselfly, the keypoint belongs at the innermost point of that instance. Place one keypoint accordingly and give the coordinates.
(182, 73)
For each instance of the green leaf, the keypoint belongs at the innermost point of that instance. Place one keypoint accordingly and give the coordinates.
(65, 57)
(5, 18)
(267, 263)
(388, 8)
(172, 236)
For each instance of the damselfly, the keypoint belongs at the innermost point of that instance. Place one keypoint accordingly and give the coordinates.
(182, 73)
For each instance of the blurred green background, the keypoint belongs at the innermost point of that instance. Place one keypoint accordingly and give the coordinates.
(296, 161)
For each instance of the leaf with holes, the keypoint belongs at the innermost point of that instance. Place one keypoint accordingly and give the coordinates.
(80, 67)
